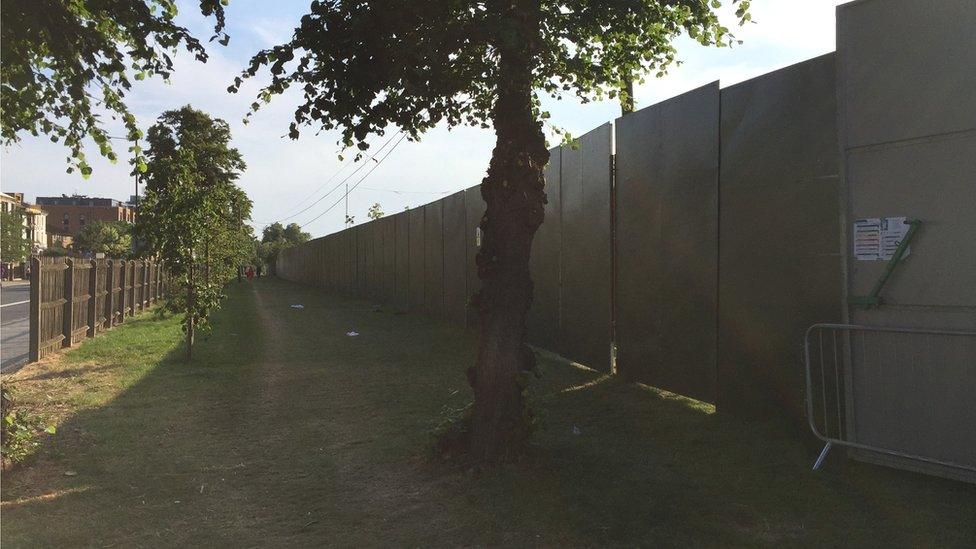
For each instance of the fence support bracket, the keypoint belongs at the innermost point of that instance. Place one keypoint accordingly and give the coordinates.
(873, 299)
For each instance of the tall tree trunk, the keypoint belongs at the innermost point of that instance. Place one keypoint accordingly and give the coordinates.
(515, 197)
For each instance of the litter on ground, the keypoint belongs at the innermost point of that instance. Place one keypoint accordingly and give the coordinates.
(298, 306)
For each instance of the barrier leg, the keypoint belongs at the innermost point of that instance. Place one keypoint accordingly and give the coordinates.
(822, 456)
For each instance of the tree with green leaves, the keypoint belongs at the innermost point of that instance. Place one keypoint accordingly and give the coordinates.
(292, 234)
(194, 215)
(113, 238)
(375, 211)
(277, 237)
(63, 64)
(14, 245)
(364, 66)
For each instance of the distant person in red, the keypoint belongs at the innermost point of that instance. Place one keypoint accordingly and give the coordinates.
(250, 273)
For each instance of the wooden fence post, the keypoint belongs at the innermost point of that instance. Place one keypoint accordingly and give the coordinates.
(122, 293)
(132, 289)
(92, 297)
(34, 339)
(69, 302)
(110, 298)
(145, 285)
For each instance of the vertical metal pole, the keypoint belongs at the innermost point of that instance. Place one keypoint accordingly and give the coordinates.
(34, 344)
(840, 415)
(92, 296)
(69, 303)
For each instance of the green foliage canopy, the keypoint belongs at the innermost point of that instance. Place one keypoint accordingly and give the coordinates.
(111, 238)
(61, 61)
(365, 65)
(375, 211)
(277, 237)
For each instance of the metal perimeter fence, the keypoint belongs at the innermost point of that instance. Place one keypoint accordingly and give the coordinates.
(880, 390)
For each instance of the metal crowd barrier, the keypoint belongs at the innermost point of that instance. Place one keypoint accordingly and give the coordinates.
(834, 352)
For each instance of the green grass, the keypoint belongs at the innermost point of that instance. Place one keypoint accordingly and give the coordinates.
(287, 432)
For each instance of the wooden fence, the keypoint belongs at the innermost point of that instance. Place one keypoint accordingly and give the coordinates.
(71, 299)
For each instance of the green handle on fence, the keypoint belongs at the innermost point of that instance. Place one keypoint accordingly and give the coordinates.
(873, 299)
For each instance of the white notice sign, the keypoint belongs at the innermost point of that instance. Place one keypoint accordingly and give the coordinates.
(876, 239)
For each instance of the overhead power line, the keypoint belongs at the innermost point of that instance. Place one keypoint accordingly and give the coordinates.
(363, 178)
(335, 174)
(339, 184)
(398, 191)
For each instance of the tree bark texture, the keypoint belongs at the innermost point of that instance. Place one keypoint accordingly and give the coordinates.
(515, 198)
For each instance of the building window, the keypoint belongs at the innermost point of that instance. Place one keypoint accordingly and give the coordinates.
(65, 221)
(81, 220)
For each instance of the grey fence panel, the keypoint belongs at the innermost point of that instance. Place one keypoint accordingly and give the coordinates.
(339, 267)
(387, 265)
(779, 261)
(542, 321)
(322, 266)
(434, 258)
(350, 261)
(376, 273)
(585, 269)
(474, 209)
(417, 250)
(326, 262)
(335, 269)
(455, 260)
(363, 245)
(376, 262)
(908, 134)
(893, 91)
(667, 243)
(401, 300)
(366, 245)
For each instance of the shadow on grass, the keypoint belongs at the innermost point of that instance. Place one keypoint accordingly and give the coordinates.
(286, 431)
(156, 463)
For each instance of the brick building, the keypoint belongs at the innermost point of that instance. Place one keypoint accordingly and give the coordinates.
(35, 219)
(70, 214)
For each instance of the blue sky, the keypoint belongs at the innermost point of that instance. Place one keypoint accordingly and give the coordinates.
(283, 174)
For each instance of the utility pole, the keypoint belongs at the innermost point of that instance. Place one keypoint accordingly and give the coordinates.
(137, 175)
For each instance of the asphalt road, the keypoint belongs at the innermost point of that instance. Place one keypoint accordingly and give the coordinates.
(14, 325)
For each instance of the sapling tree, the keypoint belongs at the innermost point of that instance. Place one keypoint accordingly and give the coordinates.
(63, 64)
(375, 211)
(193, 215)
(14, 245)
(364, 66)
